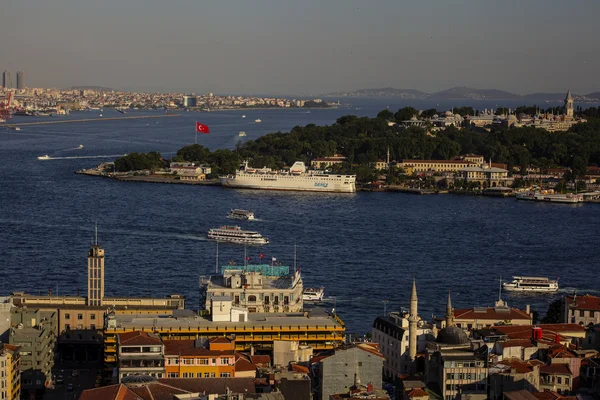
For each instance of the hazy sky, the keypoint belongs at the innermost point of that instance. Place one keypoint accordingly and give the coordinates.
(304, 46)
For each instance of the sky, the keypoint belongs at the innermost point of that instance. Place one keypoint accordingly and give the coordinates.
(304, 47)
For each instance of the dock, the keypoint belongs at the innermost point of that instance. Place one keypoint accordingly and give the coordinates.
(69, 121)
(402, 189)
(148, 178)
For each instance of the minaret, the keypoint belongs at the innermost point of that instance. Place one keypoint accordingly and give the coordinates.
(569, 105)
(449, 312)
(95, 274)
(413, 318)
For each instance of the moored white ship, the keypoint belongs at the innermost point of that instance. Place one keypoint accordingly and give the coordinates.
(550, 197)
(297, 178)
(531, 284)
(243, 215)
(313, 294)
(235, 234)
(44, 157)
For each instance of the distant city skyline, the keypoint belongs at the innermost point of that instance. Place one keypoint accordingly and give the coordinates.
(303, 48)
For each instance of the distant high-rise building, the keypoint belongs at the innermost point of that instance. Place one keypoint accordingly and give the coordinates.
(20, 80)
(6, 79)
(189, 100)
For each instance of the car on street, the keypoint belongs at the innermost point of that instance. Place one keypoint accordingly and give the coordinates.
(70, 387)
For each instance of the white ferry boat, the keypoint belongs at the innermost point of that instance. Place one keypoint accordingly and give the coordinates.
(235, 234)
(44, 157)
(531, 284)
(258, 120)
(242, 133)
(297, 178)
(568, 198)
(244, 215)
(313, 294)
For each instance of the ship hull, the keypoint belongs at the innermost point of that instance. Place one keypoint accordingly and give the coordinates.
(310, 185)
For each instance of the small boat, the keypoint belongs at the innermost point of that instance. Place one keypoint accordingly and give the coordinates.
(235, 234)
(100, 114)
(44, 157)
(243, 116)
(244, 215)
(313, 294)
(80, 146)
(15, 128)
(258, 121)
(242, 133)
(531, 284)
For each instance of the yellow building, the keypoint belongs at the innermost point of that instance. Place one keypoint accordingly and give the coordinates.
(201, 358)
(10, 372)
(434, 165)
(317, 329)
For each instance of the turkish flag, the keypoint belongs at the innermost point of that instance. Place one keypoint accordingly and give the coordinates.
(200, 128)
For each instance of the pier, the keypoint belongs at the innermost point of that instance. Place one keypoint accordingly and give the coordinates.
(67, 121)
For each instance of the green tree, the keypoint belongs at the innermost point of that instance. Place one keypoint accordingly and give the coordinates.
(194, 153)
(405, 113)
(386, 115)
(553, 314)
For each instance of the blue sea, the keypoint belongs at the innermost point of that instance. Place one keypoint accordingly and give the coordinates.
(365, 248)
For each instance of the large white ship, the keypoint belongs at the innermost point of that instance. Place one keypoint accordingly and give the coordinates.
(235, 234)
(531, 284)
(297, 178)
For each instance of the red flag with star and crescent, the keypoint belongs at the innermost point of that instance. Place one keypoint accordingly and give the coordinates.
(201, 128)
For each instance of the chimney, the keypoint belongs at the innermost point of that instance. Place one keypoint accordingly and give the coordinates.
(370, 387)
(557, 338)
(528, 309)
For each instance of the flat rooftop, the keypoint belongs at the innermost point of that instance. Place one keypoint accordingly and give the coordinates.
(186, 319)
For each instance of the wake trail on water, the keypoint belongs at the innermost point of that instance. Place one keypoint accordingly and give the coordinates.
(82, 157)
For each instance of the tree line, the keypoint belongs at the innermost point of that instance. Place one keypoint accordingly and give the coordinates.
(364, 140)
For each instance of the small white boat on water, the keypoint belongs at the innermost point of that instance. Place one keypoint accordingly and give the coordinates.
(313, 294)
(243, 215)
(258, 120)
(80, 146)
(243, 116)
(44, 157)
(531, 284)
(242, 133)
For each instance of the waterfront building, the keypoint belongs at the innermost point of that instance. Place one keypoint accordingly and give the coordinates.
(401, 336)
(581, 310)
(7, 80)
(201, 358)
(189, 169)
(6, 306)
(81, 318)
(419, 166)
(314, 328)
(454, 365)
(10, 372)
(485, 317)
(347, 365)
(258, 288)
(140, 353)
(34, 332)
(189, 100)
(485, 175)
(20, 80)
(326, 162)
(145, 387)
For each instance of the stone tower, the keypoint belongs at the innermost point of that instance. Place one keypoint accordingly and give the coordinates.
(413, 318)
(569, 106)
(95, 274)
(449, 312)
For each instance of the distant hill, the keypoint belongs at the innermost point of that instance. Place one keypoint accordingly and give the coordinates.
(461, 92)
(96, 88)
(464, 93)
(383, 92)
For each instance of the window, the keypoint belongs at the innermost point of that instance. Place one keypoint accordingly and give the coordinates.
(92, 326)
(188, 361)
(225, 361)
(203, 361)
(198, 374)
(251, 298)
(67, 316)
(212, 374)
(559, 380)
(173, 375)
(567, 381)
(67, 326)
(225, 374)
(581, 313)
(592, 313)
(214, 361)
(80, 316)
(92, 316)
(206, 375)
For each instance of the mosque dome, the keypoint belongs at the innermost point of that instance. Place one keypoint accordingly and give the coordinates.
(449, 114)
(452, 335)
(138, 379)
(512, 117)
(458, 116)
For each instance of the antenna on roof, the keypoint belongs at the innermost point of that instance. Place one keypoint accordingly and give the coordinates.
(217, 259)
(500, 290)
(294, 257)
(96, 233)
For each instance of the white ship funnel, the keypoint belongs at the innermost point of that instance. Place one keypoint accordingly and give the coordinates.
(298, 167)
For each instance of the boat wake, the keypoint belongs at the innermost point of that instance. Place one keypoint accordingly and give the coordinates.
(79, 157)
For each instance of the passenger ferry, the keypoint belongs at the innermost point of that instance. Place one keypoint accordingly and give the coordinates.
(313, 294)
(297, 178)
(531, 284)
(235, 234)
(44, 157)
(244, 215)
(551, 197)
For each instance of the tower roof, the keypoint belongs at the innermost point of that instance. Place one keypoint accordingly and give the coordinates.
(569, 97)
(413, 293)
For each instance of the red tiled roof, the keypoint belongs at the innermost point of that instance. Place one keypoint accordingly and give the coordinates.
(437, 161)
(243, 364)
(547, 395)
(555, 369)
(186, 348)
(299, 368)
(137, 338)
(586, 302)
(220, 340)
(113, 392)
(490, 313)
(518, 366)
(417, 392)
(517, 343)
